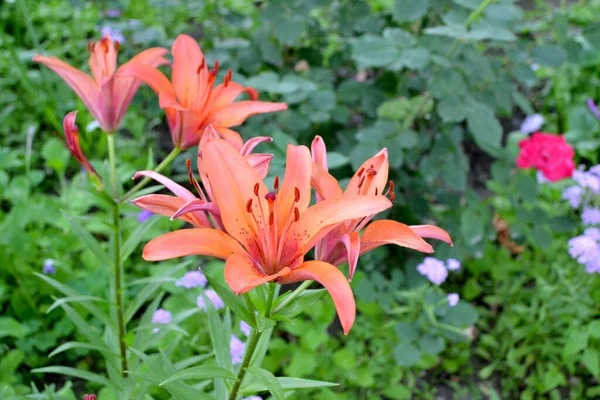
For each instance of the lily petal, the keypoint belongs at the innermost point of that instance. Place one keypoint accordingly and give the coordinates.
(185, 242)
(377, 164)
(236, 113)
(231, 136)
(197, 205)
(336, 284)
(147, 74)
(352, 244)
(82, 84)
(295, 185)
(432, 232)
(224, 95)
(325, 185)
(319, 152)
(186, 74)
(168, 205)
(261, 163)
(232, 182)
(242, 275)
(174, 187)
(72, 142)
(379, 233)
(252, 143)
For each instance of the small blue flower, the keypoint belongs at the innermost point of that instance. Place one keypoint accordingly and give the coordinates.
(48, 267)
(434, 270)
(532, 123)
(192, 279)
(161, 316)
(144, 215)
(453, 264)
(236, 349)
(453, 299)
(245, 328)
(213, 297)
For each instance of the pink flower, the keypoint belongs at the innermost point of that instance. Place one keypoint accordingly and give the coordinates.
(551, 154)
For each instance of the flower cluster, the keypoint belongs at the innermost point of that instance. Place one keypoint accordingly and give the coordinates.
(585, 194)
(550, 154)
(436, 270)
(586, 249)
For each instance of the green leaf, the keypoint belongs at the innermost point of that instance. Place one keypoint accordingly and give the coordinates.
(407, 332)
(78, 345)
(430, 344)
(470, 4)
(485, 128)
(406, 354)
(576, 341)
(11, 327)
(287, 384)
(269, 380)
(214, 274)
(415, 59)
(134, 240)
(409, 10)
(304, 301)
(199, 373)
(90, 241)
(373, 51)
(55, 153)
(549, 55)
(591, 359)
(73, 299)
(219, 340)
(140, 299)
(77, 373)
(452, 109)
(594, 329)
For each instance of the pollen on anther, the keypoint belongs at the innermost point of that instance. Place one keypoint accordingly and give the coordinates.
(296, 214)
(360, 171)
(276, 182)
(376, 191)
(296, 194)
(256, 187)
(249, 206)
(371, 172)
(361, 182)
(392, 196)
(200, 67)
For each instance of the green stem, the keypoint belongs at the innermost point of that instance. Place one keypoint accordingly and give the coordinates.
(164, 163)
(305, 285)
(118, 267)
(250, 348)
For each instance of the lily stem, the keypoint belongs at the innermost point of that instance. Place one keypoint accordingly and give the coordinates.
(118, 266)
(163, 164)
(250, 348)
(305, 285)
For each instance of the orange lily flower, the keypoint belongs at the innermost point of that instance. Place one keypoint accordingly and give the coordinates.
(190, 101)
(344, 244)
(185, 205)
(107, 95)
(267, 233)
(72, 142)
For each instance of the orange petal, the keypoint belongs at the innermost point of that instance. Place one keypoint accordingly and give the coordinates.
(82, 84)
(379, 164)
(174, 187)
(147, 74)
(325, 185)
(319, 152)
(236, 113)
(187, 76)
(197, 205)
(261, 163)
(295, 185)
(232, 181)
(432, 232)
(352, 244)
(103, 59)
(231, 136)
(224, 95)
(379, 233)
(168, 205)
(242, 275)
(72, 142)
(336, 284)
(185, 242)
(251, 144)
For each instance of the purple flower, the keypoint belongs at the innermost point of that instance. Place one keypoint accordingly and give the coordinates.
(573, 195)
(590, 216)
(114, 34)
(144, 215)
(434, 270)
(587, 180)
(595, 170)
(192, 279)
(584, 249)
(161, 316)
(593, 266)
(532, 123)
(113, 13)
(245, 328)
(594, 233)
(453, 299)
(48, 267)
(593, 108)
(452, 264)
(236, 348)
(213, 297)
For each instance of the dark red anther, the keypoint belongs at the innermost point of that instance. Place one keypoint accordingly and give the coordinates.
(296, 214)
(200, 67)
(361, 182)
(188, 164)
(360, 171)
(271, 196)
(371, 172)
(117, 45)
(228, 77)
(296, 194)
(376, 191)
(392, 196)
(276, 182)
(249, 206)
(256, 187)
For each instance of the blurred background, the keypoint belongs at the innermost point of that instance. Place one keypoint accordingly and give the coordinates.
(444, 85)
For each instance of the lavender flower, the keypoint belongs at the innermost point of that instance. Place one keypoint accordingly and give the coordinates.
(593, 108)
(590, 216)
(113, 13)
(453, 264)
(236, 349)
(593, 233)
(532, 123)
(144, 215)
(245, 328)
(48, 267)
(595, 170)
(587, 180)
(573, 195)
(453, 299)
(434, 270)
(192, 279)
(114, 34)
(213, 297)
(161, 316)
(584, 249)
